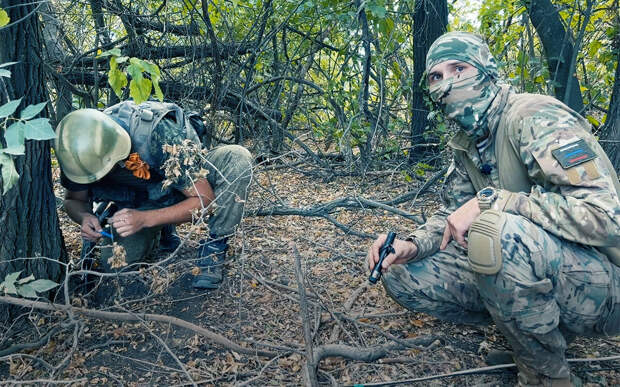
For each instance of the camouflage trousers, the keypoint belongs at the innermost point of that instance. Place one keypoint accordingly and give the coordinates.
(547, 291)
(230, 174)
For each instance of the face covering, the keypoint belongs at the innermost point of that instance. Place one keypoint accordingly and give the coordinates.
(465, 100)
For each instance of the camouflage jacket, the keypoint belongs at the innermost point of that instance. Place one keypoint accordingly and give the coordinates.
(579, 204)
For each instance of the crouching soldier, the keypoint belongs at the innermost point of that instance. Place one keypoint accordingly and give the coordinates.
(121, 154)
(529, 231)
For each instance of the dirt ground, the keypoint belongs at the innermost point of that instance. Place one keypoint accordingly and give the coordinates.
(257, 307)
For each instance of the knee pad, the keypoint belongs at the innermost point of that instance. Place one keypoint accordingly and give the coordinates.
(484, 246)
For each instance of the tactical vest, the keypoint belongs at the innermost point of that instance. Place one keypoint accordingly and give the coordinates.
(142, 119)
(513, 175)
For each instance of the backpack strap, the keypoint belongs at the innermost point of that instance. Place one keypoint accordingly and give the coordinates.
(462, 144)
(513, 175)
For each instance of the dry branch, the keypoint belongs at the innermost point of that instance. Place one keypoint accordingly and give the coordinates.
(309, 366)
(120, 316)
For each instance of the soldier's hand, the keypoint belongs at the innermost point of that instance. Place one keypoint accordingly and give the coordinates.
(90, 228)
(459, 222)
(403, 252)
(128, 221)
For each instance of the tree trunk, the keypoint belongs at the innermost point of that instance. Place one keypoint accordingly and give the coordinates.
(53, 55)
(430, 20)
(558, 46)
(29, 226)
(610, 133)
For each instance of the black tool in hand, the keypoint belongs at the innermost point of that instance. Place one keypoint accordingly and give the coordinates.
(384, 251)
(103, 212)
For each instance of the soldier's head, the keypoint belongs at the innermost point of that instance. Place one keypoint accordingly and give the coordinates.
(89, 144)
(462, 78)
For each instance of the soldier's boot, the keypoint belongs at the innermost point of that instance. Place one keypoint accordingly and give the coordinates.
(169, 240)
(497, 357)
(211, 255)
(530, 378)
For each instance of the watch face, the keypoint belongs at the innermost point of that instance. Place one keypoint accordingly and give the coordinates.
(486, 192)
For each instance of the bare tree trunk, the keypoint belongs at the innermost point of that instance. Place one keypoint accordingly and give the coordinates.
(364, 93)
(430, 20)
(29, 225)
(54, 56)
(558, 45)
(610, 133)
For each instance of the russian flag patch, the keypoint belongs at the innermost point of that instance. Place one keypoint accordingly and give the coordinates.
(573, 154)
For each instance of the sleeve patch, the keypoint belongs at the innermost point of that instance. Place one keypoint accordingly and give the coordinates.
(572, 154)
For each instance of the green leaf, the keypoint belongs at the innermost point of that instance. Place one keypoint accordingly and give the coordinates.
(121, 59)
(42, 285)
(9, 108)
(32, 110)
(7, 64)
(117, 80)
(12, 277)
(4, 18)
(5, 73)
(158, 93)
(140, 90)
(151, 68)
(112, 52)
(26, 291)
(24, 280)
(39, 129)
(134, 70)
(9, 288)
(14, 136)
(9, 173)
(593, 121)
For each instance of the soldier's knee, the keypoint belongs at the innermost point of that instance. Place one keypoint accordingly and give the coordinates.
(238, 152)
(399, 287)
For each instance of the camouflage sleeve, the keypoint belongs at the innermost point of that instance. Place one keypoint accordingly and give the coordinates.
(579, 203)
(456, 190)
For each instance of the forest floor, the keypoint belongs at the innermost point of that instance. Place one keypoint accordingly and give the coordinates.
(258, 307)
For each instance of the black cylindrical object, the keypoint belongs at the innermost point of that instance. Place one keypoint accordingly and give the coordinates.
(384, 251)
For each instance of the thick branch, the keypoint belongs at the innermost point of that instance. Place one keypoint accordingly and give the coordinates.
(120, 316)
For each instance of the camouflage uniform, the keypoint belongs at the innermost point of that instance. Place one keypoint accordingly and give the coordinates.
(553, 283)
(229, 171)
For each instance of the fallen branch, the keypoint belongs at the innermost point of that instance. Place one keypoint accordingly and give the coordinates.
(309, 367)
(347, 308)
(37, 344)
(120, 316)
(349, 202)
(477, 371)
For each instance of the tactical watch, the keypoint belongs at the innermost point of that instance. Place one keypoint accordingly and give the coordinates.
(486, 197)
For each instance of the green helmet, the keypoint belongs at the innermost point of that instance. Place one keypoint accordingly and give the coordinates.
(88, 144)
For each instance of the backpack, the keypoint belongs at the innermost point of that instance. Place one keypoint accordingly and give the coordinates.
(141, 120)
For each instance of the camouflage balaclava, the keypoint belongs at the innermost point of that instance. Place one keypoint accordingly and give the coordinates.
(465, 100)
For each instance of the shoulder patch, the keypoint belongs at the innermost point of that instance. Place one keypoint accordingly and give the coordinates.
(573, 154)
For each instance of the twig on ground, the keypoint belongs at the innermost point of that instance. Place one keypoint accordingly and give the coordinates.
(477, 371)
(309, 366)
(41, 382)
(120, 316)
(347, 308)
(37, 344)
(247, 382)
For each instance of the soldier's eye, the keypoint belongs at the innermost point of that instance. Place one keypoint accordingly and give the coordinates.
(459, 68)
(434, 77)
